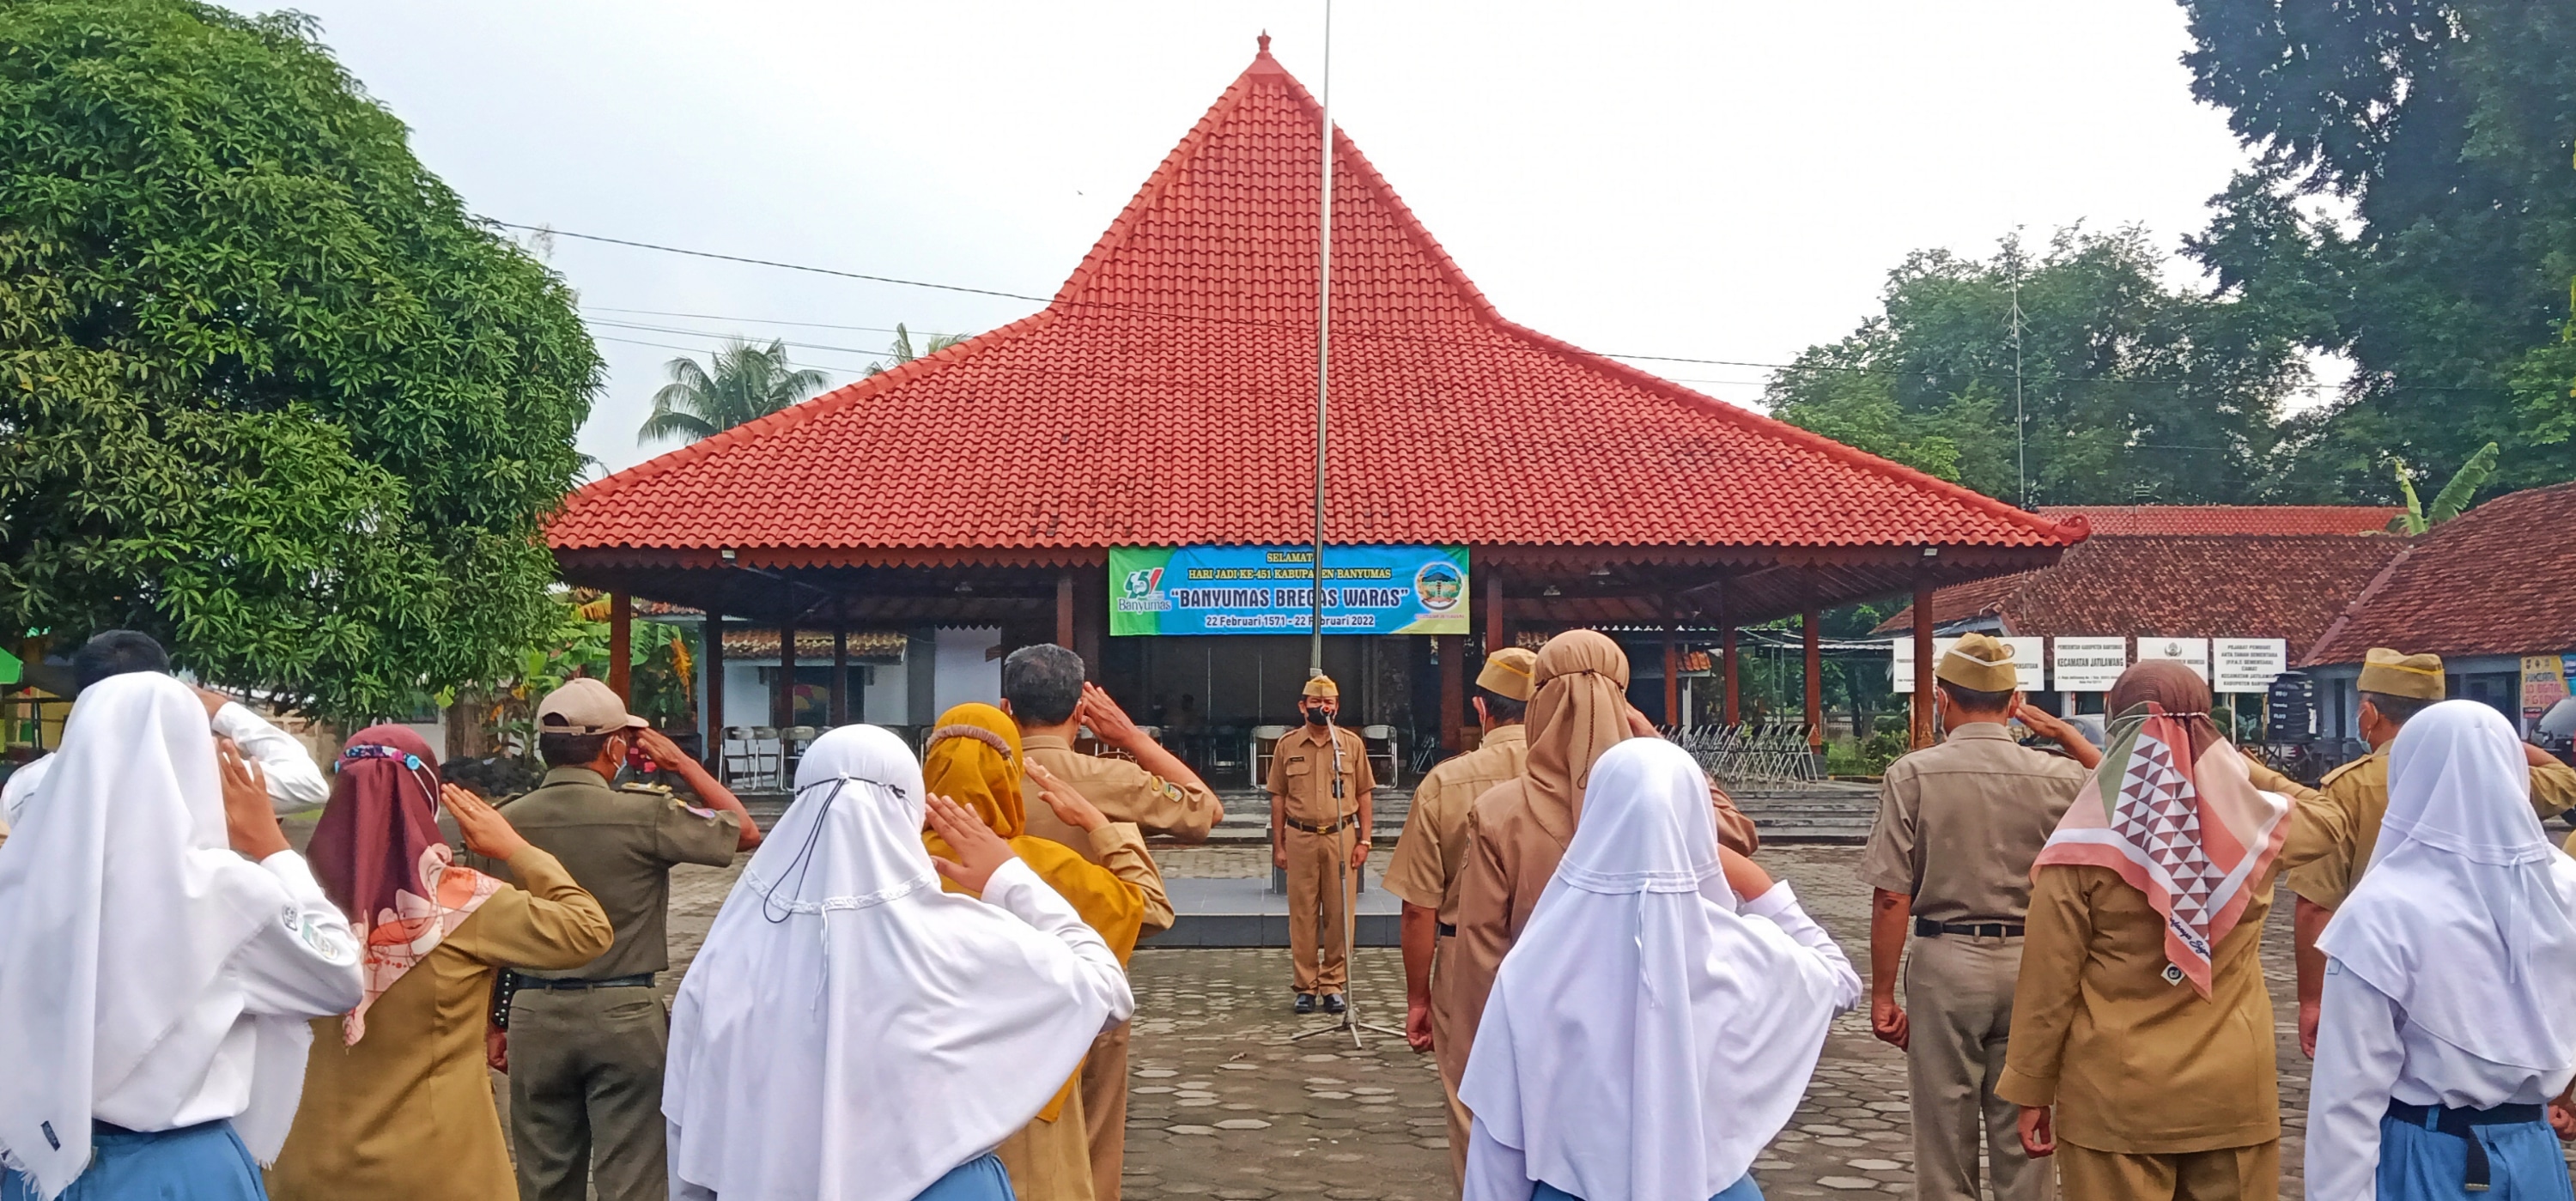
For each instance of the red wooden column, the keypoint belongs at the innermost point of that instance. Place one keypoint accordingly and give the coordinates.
(1498, 632)
(1672, 678)
(1726, 665)
(782, 701)
(711, 674)
(1812, 624)
(621, 646)
(1453, 692)
(1922, 725)
(1064, 610)
(840, 672)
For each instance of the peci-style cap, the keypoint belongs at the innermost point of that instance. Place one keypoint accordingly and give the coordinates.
(1507, 673)
(1322, 686)
(2390, 673)
(585, 706)
(1980, 663)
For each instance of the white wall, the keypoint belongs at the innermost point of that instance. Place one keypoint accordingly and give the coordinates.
(963, 673)
(882, 701)
(746, 700)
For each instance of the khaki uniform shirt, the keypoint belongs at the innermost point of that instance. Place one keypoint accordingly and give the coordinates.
(1424, 871)
(620, 845)
(1121, 790)
(1301, 776)
(2361, 787)
(2135, 1065)
(1960, 822)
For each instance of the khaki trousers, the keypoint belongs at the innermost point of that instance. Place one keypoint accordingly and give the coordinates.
(1444, 1051)
(1958, 1004)
(1104, 1110)
(1316, 906)
(586, 1093)
(1049, 1161)
(2226, 1174)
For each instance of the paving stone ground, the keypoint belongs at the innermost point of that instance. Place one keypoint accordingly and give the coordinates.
(1225, 1106)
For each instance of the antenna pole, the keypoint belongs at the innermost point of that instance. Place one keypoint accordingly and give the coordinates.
(1323, 344)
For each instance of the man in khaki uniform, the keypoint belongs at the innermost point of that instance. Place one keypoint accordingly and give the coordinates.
(2394, 687)
(1424, 872)
(1044, 692)
(585, 1046)
(1959, 824)
(1319, 822)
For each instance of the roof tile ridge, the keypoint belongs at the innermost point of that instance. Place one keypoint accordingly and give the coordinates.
(1123, 226)
(2074, 529)
(803, 411)
(2352, 609)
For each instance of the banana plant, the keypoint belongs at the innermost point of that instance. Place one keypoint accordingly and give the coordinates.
(2454, 497)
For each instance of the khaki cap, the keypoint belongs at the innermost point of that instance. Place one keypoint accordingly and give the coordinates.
(2390, 673)
(1322, 686)
(585, 706)
(1980, 663)
(1507, 673)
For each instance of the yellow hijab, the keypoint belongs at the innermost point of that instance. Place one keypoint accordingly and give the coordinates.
(973, 758)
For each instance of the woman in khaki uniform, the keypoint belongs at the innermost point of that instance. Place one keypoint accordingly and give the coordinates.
(2142, 1046)
(397, 1102)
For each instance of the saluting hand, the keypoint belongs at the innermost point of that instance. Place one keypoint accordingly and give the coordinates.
(486, 832)
(1072, 808)
(249, 819)
(980, 852)
(1108, 722)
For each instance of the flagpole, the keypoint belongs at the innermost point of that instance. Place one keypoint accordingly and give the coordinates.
(1323, 348)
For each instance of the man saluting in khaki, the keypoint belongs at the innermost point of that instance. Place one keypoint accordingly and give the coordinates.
(1959, 825)
(1424, 872)
(1044, 692)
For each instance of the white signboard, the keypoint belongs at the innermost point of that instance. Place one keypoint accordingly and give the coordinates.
(2030, 667)
(2190, 652)
(2090, 664)
(2247, 664)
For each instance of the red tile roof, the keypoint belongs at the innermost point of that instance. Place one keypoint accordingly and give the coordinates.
(1166, 396)
(2499, 579)
(2230, 519)
(2184, 585)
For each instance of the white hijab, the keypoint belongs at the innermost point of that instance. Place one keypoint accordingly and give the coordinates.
(2467, 916)
(1644, 1041)
(850, 1032)
(120, 901)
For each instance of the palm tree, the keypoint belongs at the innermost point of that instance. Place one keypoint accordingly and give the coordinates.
(746, 383)
(902, 352)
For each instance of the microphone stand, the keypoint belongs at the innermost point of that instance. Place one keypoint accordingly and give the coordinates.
(1344, 811)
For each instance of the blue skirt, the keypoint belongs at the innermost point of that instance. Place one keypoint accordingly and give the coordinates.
(978, 1179)
(1741, 1190)
(2523, 1163)
(193, 1163)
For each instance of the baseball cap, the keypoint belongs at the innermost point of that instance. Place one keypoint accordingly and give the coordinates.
(585, 706)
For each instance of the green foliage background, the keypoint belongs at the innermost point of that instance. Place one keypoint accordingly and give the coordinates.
(267, 390)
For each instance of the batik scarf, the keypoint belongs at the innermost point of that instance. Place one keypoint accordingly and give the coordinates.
(2174, 812)
(379, 856)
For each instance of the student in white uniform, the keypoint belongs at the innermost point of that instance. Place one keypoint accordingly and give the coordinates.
(2445, 1028)
(1657, 1020)
(161, 950)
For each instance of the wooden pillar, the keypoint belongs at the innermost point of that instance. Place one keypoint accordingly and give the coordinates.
(782, 700)
(1922, 725)
(1453, 691)
(1064, 610)
(621, 647)
(1726, 668)
(711, 672)
(1812, 624)
(1498, 632)
(1672, 677)
(840, 672)
(1090, 620)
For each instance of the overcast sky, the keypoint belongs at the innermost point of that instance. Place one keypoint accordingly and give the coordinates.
(1713, 179)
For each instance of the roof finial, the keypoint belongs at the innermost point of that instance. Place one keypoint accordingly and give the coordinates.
(1265, 41)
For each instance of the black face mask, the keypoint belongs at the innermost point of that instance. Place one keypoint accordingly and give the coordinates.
(1314, 715)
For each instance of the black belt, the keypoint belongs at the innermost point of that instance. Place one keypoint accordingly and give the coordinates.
(2442, 1119)
(1336, 826)
(640, 980)
(1925, 927)
(1448, 929)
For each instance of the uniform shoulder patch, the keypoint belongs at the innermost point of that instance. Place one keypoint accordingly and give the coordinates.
(2341, 772)
(640, 786)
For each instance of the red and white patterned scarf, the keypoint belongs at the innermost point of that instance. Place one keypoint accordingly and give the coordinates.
(2196, 836)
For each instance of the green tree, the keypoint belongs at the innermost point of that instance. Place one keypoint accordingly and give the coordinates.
(2446, 127)
(266, 389)
(901, 352)
(2131, 390)
(746, 383)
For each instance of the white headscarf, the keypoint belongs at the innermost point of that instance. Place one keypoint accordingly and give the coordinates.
(1644, 1040)
(2467, 916)
(120, 901)
(850, 1032)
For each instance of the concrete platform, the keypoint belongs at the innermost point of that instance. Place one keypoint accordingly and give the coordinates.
(1245, 913)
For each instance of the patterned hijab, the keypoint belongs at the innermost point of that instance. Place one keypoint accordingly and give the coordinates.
(2174, 812)
(1579, 711)
(379, 856)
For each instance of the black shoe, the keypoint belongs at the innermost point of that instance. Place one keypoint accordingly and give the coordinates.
(1306, 1002)
(1333, 1002)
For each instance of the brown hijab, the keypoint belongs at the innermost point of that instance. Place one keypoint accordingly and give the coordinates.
(1579, 711)
(2182, 693)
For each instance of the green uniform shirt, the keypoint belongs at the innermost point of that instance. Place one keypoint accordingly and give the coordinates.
(620, 845)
